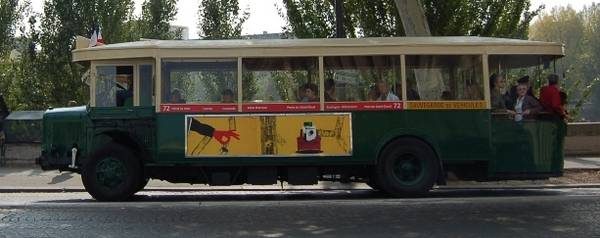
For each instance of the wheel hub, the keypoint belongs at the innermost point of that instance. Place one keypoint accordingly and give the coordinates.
(110, 172)
(408, 169)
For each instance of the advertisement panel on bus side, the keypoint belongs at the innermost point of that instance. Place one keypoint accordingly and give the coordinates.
(260, 135)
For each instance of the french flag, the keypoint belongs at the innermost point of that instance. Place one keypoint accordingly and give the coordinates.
(96, 38)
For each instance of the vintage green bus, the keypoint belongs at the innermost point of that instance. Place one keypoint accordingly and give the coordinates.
(399, 114)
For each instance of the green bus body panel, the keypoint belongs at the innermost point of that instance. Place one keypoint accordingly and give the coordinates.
(527, 146)
(457, 137)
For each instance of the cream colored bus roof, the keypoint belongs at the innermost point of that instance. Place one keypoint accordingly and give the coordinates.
(317, 47)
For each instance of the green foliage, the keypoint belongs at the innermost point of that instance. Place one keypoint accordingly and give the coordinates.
(44, 75)
(373, 18)
(62, 21)
(156, 16)
(9, 16)
(223, 19)
(498, 18)
(309, 18)
(580, 32)
(220, 19)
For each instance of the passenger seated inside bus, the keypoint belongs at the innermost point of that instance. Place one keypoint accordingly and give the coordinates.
(526, 106)
(411, 92)
(473, 90)
(176, 96)
(446, 95)
(384, 92)
(227, 96)
(330, 90)
(398, 89)
(497, 84)
(309, 93)
(373, 94)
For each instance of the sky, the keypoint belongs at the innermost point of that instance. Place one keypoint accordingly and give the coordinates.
(264, 16)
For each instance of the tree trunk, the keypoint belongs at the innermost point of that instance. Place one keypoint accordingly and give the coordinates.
(413, 17)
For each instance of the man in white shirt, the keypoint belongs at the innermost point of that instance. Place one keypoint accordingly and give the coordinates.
(385, 93)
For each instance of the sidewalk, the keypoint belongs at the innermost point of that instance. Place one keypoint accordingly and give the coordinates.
(34, 179)
(582, 163)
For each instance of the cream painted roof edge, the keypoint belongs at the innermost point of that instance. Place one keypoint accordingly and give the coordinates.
(316, 43)
(327, 42)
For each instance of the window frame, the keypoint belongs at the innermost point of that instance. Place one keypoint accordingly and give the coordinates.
(116, 63)
(204, 107)
(252, 107)
(322, 104)
(401, 67)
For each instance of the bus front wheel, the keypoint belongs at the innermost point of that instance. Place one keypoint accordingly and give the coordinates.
(407, 167)
(113, 173)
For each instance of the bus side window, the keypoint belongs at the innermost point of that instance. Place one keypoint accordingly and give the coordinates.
(114, 86)
(289, 79)
(448, 77)
(363, 78)
(199, 81)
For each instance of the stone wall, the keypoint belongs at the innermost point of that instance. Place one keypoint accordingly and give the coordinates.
(22, 153)
(583, 139)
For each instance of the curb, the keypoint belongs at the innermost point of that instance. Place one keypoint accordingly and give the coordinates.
(186, 189)
(509, 187)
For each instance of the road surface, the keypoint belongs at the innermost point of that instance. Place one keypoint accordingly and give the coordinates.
(305, 213)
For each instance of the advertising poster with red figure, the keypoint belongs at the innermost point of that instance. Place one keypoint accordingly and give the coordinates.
(279, 135)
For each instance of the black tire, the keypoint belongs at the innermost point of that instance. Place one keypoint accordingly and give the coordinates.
(113, 173)
(407, 167)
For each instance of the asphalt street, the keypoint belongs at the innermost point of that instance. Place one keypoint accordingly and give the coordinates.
(304, 213)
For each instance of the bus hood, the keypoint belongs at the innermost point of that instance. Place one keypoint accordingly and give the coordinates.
(63, 129)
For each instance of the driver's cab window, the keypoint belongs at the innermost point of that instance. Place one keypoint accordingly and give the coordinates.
(114, 86)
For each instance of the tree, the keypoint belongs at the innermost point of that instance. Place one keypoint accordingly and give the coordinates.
(220, 19)
(28, 83)
(499, 18)
(579, 32)
(223, 19)
(310, 18)
(9, 16)
(62, 21)
(156, 18)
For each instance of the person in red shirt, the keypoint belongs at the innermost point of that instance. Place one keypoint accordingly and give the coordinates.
(550, 97)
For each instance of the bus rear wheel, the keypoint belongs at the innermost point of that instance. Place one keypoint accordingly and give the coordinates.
(113, 173)
(407, 167)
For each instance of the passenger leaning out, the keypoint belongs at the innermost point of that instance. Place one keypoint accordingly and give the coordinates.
(550, 98)
(512, 94)
(526, 106)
